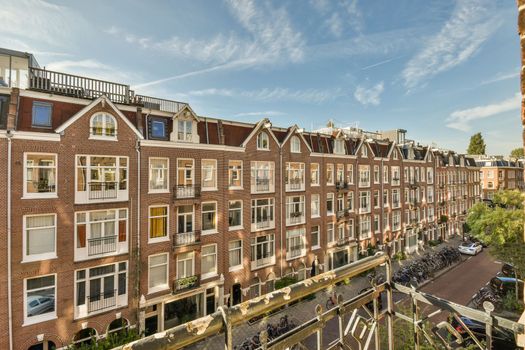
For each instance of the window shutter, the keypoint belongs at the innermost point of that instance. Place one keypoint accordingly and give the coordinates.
(122, 225)
(81, 236)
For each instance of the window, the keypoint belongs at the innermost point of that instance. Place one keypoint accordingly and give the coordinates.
(295, 145)
(185, 220)
(340, 175)
(364, 151)
(385, 198)
(209, 174)
(262, 214)
(364, 176)
(100, 232)
(263, 251)
(396, 220)
(376, 223)
(157, 128)
(339, 146)
(340, 204)
(376, 199)
(385, 174)
(364, 227)
(329, 204)
(185, 179)
(350, 228)
(314, 174)
(208, 261)
(294, 177)
(330, 232)
(40, 175)
(158, 174)
(101, 288)
(235, 214)
(185, 265)
(40, 299)
(101, 178)
(235, 174)
(209, 217)
(103, 126)
(350, 201)
(158, 223)
(315, 238)
(235, 254)
(329, 174)
(158, 273)
(4, 106)
(39, 237)
(395, 155)
(295, 243)
(263, 142)
(396, 200)
(395, 175)
(262, 179)
(314, 206)
(350, 173)
(295, 210)
(185, 130)
(376, 174)
(364, 202)
(41, 114)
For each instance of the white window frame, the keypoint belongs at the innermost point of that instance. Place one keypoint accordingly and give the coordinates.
(43, 256)
(178, 259)
(299, 235)
(159, 239)
(164, 286)
(314, 174)
(203, 255)
(291, 204)
(232, 168)
(295, 144)
(318, 234)
(377, 174)
(270, 207)
(330, 234)
(330, 174)
(339, 146)
(186, 136)
(262, 138)
(165, 171)
(364, 197)
(27, 195)
(315, 198)
(241, 225)
(330, 197)
(105, 137)
(205, 170)
(262, 168)
(215, 229)
(295, 171)
(28, 320)
(364, 175)
(235, 250)
(266, 261)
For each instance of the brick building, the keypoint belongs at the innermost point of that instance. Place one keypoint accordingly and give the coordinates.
(120, 209)
(500, 174)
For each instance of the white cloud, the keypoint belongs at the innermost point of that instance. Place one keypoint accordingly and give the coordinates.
(501, 77)
(260, 115)
(462, 119)
(339, 16)
(371, 96)
(469, 26)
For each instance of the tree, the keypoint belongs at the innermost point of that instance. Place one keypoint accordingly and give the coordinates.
(477, 144)
(517, 153)
(501, 227)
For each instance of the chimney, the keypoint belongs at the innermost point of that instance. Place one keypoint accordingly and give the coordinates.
(140, 127)
(13, 109)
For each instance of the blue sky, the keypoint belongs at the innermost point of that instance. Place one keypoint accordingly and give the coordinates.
(441, 69)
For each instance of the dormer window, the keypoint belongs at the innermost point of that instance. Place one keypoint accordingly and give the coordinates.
(157, 128)
(395, 155)
(262, 141)
(103, 126)
(185, 130)
(364, 151)
(295, 145)
(339, 147)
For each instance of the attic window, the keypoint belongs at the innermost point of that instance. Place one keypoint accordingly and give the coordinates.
(395, 155)
(295, 145)
(339, 147)
(103, 125)
(157, 128)
(263, 142)
(185, 128)
(364, 151)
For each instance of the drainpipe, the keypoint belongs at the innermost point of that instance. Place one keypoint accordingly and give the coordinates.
(137, 256)
(9, 287)
(281, 209)
(382, 197)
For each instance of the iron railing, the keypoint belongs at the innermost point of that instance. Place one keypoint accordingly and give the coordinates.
(185, 283)
(103, 190)
(102, 245)
(186, 191)
(159, 104)
(186, 238)
(102, 301)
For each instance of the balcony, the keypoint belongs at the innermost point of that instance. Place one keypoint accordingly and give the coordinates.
(295, 218)
(342, 241)
(186, 191)
(341, 214)
(292, 185)
(102, 301)
(341, 185)
(262, 224)
(185, 283)
(102, 190)
(186, 238)
(102, 245)
(265, 260)
(159, 104)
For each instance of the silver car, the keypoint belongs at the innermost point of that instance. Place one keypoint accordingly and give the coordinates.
(470, 248)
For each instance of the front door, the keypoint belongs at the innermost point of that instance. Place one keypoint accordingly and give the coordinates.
(236, 294)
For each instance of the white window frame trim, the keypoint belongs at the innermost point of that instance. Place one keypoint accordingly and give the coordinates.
(216, 229)
(159, 239)
(38, 257)
(167, 190)
(241, 226)
(207, 189)
(102, 137)
(40, 318)
(162, 287)
(25, 194)
(216, 272)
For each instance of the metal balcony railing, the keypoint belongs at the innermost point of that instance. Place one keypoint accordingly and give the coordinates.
(159, 104)
(262, 185)
(295, 218)
(341, 185)
(102, 301)
(295, 185)
(186, 283)
(186, 191)
(262, 224)
(186, 238)
(102, 245)
(103, 190)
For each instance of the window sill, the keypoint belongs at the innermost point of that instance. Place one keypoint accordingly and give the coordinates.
(36, 259)
(315, 247)
(315, 185)
(159, 240)
(262, 267)
(46, 196)
(263, 149)
(209, 189)
(235, 228)
(210, 232)
(102, 138)
(236, 268)
(158, 289)
(39, 320)
(296, 257)
(315, 216)
(209, 275)
(158, 191)
(234, 188)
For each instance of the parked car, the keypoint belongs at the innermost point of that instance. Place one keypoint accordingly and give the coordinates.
(502, 339)
(503, 285)
(476, 240)
(39, 304)
(470, 248)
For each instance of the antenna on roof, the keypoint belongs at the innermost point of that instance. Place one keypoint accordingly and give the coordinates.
(330, 124)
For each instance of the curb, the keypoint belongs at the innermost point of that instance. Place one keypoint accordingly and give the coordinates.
(442, 272)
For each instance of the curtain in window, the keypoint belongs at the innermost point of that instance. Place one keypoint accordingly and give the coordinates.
(158, 271)
(40, 234)
(158, 225)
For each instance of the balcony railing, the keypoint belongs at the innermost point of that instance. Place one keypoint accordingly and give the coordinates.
(341, 214)
(186, 191)
(185, 283)
(159, 103)
(102, 301)
(262, 185)
(263, 224)
(294, 185)
(295, 218)
(342, 241)
(102, 245)
(186, 238)
(103, 190)
(341, 185)
(263, 261)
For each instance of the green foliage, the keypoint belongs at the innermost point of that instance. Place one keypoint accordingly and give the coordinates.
(399, 256)
(501, 228)
(511, 303)
(476, 145)
(111, 341)
(443, 219)
(433, 243)
(517, 153)
(285, 281)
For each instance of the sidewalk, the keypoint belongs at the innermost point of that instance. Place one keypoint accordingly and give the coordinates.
(305, 310)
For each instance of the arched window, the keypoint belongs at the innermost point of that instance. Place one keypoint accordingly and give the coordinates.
(103, 125)
(85, 336)
(270, 282)
(301, 272)
(118, 326)
(45, 345)
(295, 145)
(262, 141)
